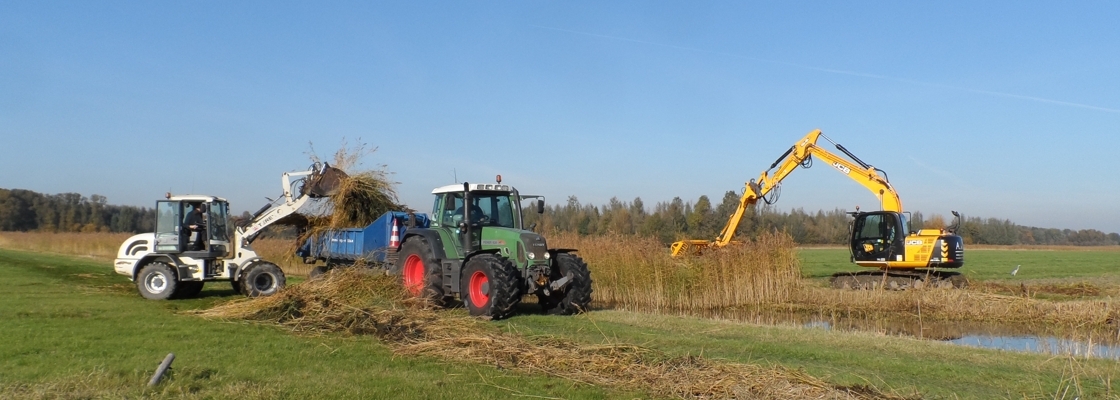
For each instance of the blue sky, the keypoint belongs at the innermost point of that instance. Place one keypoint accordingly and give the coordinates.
(996, 109)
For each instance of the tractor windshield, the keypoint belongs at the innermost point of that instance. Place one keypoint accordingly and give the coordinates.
(487, 209)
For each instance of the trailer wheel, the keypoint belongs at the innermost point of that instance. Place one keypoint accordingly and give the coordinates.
(420, 274)
(574, 298)
(189, 290)
(157, 281)
(490, 286)
(263, 279)
(317, 272)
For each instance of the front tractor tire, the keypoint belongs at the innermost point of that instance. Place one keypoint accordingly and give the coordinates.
(262, 279)
(157, 281)
(576, 296)
(420, 273)
(490, 286)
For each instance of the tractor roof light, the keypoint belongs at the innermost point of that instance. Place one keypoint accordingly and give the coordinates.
(491, 186)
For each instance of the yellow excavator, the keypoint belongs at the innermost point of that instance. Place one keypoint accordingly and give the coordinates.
(878, 239)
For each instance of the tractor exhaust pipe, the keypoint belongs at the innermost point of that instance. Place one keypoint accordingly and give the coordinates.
(465, 226)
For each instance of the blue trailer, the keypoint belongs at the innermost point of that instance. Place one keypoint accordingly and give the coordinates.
(375, 244)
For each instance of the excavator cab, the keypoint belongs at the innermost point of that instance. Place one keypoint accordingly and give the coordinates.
(878, 236)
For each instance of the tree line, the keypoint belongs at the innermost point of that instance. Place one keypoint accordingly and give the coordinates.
(677, 219)
(25, 210)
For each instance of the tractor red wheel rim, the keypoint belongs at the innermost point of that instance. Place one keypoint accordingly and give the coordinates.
(413, 274)
(479, 289)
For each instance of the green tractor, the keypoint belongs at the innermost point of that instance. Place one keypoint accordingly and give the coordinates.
(475, 245)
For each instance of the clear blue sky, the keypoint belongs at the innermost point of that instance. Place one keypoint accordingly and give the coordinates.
(996, 109)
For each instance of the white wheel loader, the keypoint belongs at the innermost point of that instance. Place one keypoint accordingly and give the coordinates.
(195, 242)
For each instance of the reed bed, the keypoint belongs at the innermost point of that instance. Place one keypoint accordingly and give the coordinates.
(351, 302)
(763, 274)
(101, 246)
(960, 305)
(639, 274)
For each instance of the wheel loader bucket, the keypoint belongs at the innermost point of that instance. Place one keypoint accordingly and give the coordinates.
(324, 183)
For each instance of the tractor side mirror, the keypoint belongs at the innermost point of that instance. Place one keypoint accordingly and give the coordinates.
(540, 206)
(533, 227)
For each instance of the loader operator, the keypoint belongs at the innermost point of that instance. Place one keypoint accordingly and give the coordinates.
(195, 223)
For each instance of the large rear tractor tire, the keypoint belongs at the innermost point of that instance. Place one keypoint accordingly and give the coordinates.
(157, 281)
(189, 289)
(574, 298)
(490, 286)
(262, 279)
(420, 274)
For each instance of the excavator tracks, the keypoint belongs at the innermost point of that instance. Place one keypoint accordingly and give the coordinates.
(897, 280)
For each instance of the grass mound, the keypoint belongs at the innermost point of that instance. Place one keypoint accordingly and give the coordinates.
(352, 302)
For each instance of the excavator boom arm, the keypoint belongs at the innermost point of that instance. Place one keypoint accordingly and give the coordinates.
(799, 154)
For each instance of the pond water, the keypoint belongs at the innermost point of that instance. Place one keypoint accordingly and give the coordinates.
(1010, 337)
(1045, 345)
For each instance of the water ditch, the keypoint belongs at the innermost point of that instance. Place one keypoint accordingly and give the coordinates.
(1072, 341)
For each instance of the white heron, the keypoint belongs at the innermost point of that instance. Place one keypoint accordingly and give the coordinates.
(1015, 271)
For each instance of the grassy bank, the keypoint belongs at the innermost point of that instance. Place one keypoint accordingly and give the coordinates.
(929, 369)
(72, 329)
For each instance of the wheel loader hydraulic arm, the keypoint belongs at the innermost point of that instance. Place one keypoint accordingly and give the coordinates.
(318, 181)
(799, 154)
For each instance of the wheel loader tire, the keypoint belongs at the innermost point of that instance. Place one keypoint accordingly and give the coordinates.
(420, 274)
(262, 279)
(189, 289)
(490, 286)
(574, 298)
(236, 286)
(317, 272)
(157, 281)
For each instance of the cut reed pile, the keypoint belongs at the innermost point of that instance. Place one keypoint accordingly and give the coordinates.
(638, 273)
(363, 195)
(361, 304)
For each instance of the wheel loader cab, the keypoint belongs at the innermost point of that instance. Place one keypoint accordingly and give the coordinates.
(878, 236)
(194, 226)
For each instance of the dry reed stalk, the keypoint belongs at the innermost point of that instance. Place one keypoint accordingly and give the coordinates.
(101, 246)
(356, 303)
(362, 196)
(960, 305)
(639, 273)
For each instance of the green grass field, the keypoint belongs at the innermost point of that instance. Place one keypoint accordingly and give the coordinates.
(73, 329)
(991, 264)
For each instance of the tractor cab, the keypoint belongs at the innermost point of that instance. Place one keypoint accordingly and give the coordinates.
(193, 226)
(488, 205)
(487, 217)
